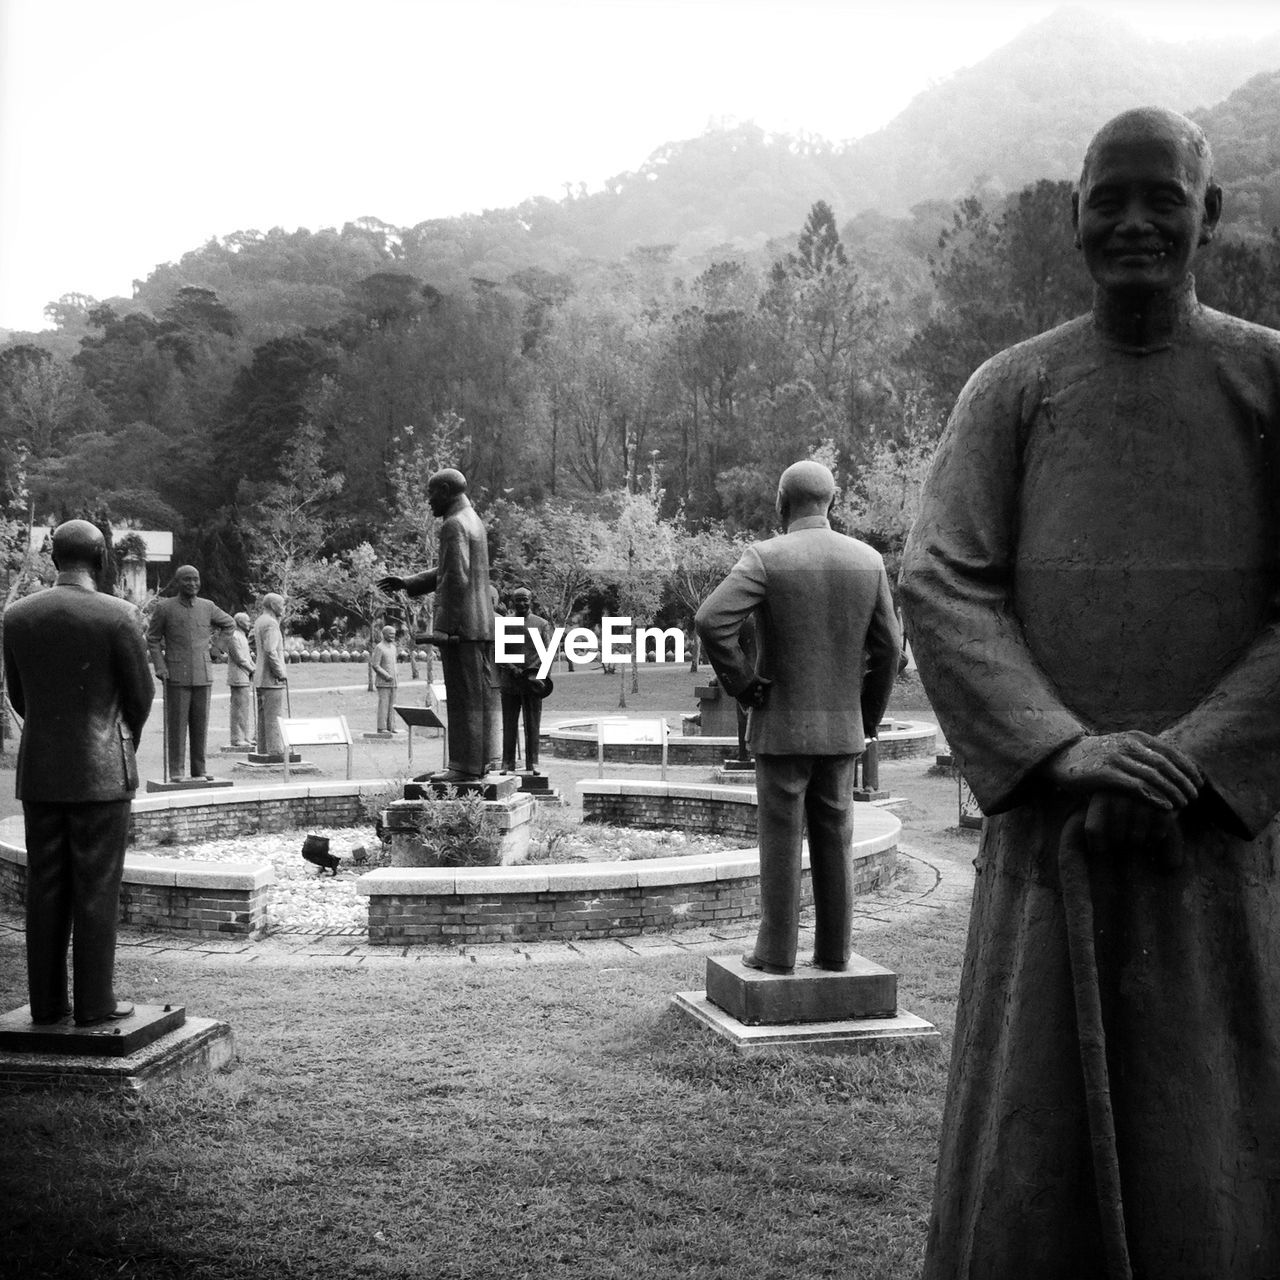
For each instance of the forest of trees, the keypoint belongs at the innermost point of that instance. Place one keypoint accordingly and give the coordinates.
(294, 461)
(276, 399)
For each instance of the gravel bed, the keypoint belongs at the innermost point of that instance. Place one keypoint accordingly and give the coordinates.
(304, 901)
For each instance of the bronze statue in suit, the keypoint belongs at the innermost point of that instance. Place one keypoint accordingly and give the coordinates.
(270, 675)
(464, 614)
(179, 634)
(77, 672)
(828, 644)
(521, 690)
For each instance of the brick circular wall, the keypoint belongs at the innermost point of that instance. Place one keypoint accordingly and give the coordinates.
(576, 740)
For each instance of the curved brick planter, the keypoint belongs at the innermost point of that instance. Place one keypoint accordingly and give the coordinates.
(178, 894)
(434, 905)
(606, 899)
(576, 740)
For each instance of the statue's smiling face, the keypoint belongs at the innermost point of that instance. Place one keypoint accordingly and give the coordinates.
(1142, 211)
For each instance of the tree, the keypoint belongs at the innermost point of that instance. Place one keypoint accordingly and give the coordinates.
(353, 586)
(701, 561)
(637, 555)
(1000, 280)
(286, 525)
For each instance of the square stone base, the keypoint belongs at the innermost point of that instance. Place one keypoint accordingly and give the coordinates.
(116, 1038)
(188, 784)
(199, 1046)
(864, 990)
(853, 1035)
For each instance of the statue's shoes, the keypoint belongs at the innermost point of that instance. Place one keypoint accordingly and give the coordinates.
(831, 966)
(123, 1009)
(752, 962)
(453, 775)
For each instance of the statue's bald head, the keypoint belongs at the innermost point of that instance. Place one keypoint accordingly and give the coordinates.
(1154, 125)
(77, 544)
(806, 489)
(450, 479)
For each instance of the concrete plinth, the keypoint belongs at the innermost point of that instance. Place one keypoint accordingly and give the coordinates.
(387, 734)
(864, 990)
(88, 1059)
(188, 784)
(854, 1035)
(115, 1038)
(726, 777)
(273, 757)
(493, 786)
(510, 818)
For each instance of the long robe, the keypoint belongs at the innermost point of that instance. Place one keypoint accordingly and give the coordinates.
(1099, 550)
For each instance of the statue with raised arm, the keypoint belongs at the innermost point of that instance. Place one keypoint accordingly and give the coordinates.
(464, 612)
(827, 644)
(1092, 594)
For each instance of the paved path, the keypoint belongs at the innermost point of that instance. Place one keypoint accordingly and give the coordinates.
(925, 884)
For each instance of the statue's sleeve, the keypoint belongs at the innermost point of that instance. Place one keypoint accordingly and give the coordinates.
(13, 682)
(1234, 735)
(721, 616)
(156, 638)
(999, 712)
(136, 685)
(421, 584)
(883, 647)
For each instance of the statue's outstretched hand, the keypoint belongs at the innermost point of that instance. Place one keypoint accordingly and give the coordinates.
(1134, 764)
(390, 584)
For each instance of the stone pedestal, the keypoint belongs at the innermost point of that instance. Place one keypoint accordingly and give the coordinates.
(188, 784)
(509, 815)
(120, 1056)
(388, 734)
(273, 757)
(538, 787)
(846, 1012)
(864, 990)
(719, 712)
(493, 786)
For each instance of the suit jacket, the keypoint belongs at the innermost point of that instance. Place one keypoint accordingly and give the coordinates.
(179, 637)
(383, 662)
(464, 602)
(268, 670)
(827, 634)
(77, 673)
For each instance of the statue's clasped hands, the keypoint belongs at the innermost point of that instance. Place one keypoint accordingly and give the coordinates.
(1136, 784)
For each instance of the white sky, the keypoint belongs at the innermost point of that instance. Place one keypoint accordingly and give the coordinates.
(132, 131)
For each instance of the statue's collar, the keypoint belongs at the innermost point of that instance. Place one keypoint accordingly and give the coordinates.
(1147, 324)
(809, 522)
(81, 578)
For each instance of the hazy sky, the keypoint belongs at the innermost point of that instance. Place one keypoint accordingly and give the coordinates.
(132, 131)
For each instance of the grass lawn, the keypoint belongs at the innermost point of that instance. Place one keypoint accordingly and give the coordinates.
(550, 1120)
(486, 1124)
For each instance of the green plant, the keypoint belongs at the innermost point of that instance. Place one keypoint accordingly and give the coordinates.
(458, 831)
(550, 830)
